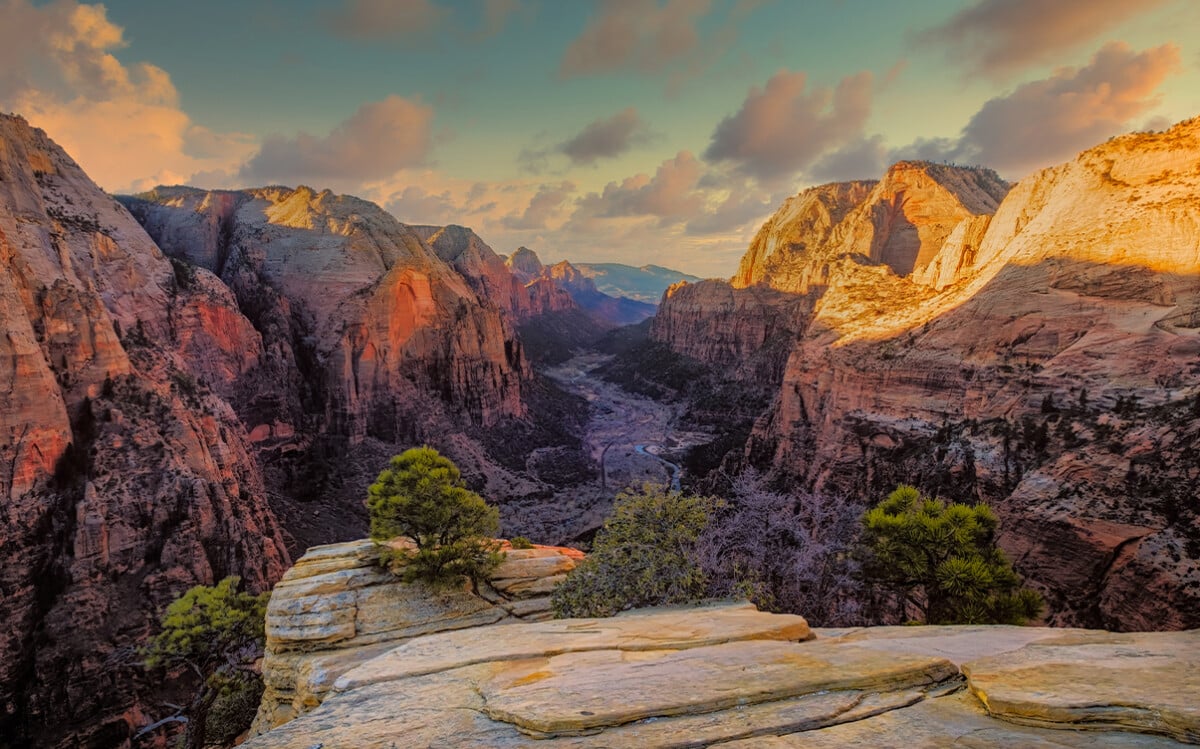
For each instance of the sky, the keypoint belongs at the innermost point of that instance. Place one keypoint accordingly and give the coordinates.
(634, 131)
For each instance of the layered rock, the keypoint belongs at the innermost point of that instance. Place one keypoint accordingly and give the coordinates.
(728, 674)
(337, 609)
(902, 222)
(336, 280)
(1041, 358)
(125, 478)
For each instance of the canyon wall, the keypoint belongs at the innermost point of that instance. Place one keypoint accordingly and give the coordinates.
(124, 477)
(1039, 350)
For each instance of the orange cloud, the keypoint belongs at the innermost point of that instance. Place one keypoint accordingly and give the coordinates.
(122, 123)
(1000, 37)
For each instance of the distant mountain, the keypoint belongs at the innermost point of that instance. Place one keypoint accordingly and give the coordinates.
(644, 284)
(607, 309)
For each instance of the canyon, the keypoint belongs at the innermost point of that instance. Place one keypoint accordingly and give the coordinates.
(200, 383)
(1036, 347)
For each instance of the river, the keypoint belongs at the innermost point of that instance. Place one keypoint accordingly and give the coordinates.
(628, 434)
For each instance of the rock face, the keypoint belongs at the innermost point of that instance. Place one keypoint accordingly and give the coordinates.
(1039, 354)
(339, 282)
(726, 674)
(605, 309)
(124, 477)
(336, 609)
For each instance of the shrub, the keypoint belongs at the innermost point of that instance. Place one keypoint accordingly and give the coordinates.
(421, 496)
(643, 556)
(941, 560)
(216, 632)
(785, 552)
(520, 542)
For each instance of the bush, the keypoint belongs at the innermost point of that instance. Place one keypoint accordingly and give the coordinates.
(643, 556)
(520, 542)
(217, 633)
(785, 552)
(941, 560)
(421, 496)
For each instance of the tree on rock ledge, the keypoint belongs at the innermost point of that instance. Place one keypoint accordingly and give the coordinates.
(942, 559)
(420, 496)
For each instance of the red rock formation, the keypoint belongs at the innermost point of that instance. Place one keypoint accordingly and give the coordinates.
(123, 478)
(1042, 358)
(334, 280)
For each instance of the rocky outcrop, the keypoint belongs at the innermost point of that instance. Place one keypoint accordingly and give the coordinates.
(724, 326)
(339, 282)
(124, 477)
(726, 674)
(337, 609)
(541, 280)
(1041, 358)
(901, 222)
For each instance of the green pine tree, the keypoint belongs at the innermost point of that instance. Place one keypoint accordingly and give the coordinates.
(217, 633)
(942, 560)
(421, 496)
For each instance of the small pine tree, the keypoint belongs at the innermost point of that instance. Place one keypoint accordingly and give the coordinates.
(217, 633)
(643, 556)
(942, 559)
(421, 496)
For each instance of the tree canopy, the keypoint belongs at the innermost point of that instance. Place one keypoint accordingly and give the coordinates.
(217, 633)
(941, 560)
(421, 496)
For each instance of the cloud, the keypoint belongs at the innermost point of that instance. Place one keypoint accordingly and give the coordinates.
(606, 138)
(1046, 121)
(669, 195)
(543, 206)
(384, 19)
(783, 128)
(378, 140)
(739, 208)
(1000, 37)
(122, 123)
(495, 16)
(862, 158)
(635, 35)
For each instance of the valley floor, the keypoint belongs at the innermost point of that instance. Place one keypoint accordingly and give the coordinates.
(632, 438)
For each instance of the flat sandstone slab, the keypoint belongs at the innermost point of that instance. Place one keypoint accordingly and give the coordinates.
(1143, 682)
(648, 629)
(575, 692)
(957, 720)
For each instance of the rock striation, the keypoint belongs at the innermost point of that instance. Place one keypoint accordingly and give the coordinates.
(336, 282)
(125, 477)
(1035, 348)
(337, 609)
(727, 674)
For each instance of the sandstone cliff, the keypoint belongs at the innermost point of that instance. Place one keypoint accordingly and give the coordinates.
(124, 476)
(722, 674)
(1042, 358)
